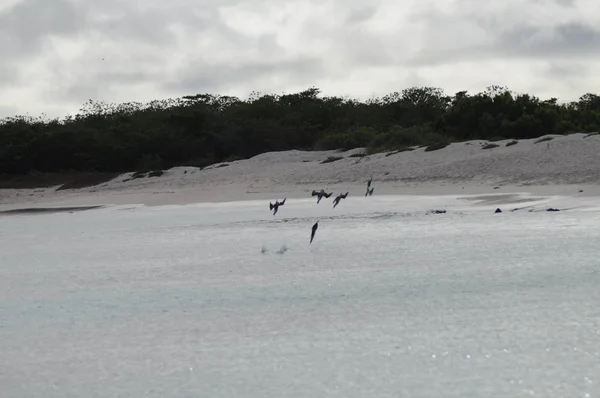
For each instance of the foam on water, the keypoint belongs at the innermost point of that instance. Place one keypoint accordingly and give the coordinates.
(387, 301)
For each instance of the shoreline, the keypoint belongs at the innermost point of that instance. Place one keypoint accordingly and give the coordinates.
(559, 166)
(234, 193)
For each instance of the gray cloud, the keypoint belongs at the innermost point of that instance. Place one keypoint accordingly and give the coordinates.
(496, 38)
(8, 74)
(202, 77)
(61, 53)
(24, 26)
(7, 111)
(351, 39)
(566, 3)
(570, 39)
(361, 15)
(564, 76)
(90, 89)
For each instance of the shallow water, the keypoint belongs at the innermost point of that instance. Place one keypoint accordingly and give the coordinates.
(388, 301)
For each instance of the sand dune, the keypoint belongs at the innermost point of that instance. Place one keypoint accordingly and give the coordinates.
(555, 165)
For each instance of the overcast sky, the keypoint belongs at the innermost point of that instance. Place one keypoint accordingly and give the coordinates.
(57, 54)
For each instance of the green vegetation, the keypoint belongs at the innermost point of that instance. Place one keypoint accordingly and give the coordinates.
(490, 146)
(358, 155)
(332, 159)
(544, 139)
(205, 129)
(436, 146)
(398, 151)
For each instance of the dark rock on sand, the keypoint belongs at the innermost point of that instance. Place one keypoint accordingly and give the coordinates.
(436, 212)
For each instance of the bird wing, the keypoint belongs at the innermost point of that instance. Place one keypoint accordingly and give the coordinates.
(271, 206)
(314, 193)
(327, 195)
(282, 202)
(344, 195)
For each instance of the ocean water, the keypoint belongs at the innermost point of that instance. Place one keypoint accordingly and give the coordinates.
(227, 300)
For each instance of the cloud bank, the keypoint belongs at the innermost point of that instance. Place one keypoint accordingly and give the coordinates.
(58, 54)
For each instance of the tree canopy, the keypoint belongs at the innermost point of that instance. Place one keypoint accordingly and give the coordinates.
(202, 129)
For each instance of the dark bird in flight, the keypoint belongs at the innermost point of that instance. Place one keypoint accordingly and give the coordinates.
(314, 231)
(276, 205)
(369, 189)
(321, 194)
(337, 199)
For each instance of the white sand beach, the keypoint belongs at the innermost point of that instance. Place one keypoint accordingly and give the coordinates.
(554, 165)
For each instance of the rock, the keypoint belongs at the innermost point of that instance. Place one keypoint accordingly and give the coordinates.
(498, 210)
(436, 212)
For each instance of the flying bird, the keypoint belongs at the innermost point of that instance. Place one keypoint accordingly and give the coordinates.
(321, 194)
(337, 199)
(314, 231)
(276, 205)
(369, 189)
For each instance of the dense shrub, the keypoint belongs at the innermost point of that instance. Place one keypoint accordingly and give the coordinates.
(205, 129)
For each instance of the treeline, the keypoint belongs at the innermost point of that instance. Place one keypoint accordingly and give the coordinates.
(203, 129)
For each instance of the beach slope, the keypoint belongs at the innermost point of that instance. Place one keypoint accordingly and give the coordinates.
(551, 165)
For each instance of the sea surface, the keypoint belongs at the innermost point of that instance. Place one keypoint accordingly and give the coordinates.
(227, 300)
